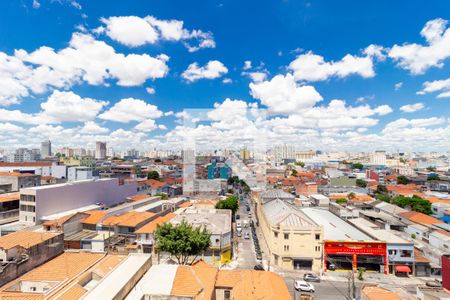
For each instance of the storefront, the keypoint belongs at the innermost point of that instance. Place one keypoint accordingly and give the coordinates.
(348, 255)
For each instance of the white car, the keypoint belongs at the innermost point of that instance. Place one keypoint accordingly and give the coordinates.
(301, 285)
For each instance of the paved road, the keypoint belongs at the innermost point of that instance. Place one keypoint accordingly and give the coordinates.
(246, 249)
(334, 290)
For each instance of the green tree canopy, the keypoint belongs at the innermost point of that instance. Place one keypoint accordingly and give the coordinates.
(402, 179)
(294, 172)
(300, 163)
(341, 200)
(231, 203)
(433, 177)
(232, 180)
(153, 175)
(414, 203)
(431, 169)
(357, 165)
(382, 189)
(183, 241)
(361, 183)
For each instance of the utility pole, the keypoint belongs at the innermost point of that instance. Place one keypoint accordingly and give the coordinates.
(353, 285)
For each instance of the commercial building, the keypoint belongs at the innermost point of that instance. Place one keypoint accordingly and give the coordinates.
(216, 221)
(21, 251)
(38, 202)
(14, 181)
(46, 149)
(201, 281)
(43, 168)
(79, 173)
(293, 239)
(100, 150)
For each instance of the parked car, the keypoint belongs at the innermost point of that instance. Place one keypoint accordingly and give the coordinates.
(303, 286)
(311, 277)
(239, 233)
(246, 236)
(238, 217)
(259, 267)
(331, 267)
(248, 208)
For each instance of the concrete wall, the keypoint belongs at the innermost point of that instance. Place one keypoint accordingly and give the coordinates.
(52, 200)
(37, 256)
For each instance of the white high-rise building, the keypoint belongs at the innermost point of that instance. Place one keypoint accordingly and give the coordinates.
(100, 150)
(284, 152)
(378, 158)
(46, 149)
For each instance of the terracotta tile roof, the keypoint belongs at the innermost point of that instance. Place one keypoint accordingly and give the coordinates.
(95, 216)
(138, 197)
(420, 218)
(443, 232)
(10, 197)
(25, 239)
(151, 226)
(418, 256)
(196, 282)
(26, 164)
(155, 183)
(185, 204)
(75, 292)
(47, 177)
(306, 174)
(16, 174)
(129, 219)
(58, 222)
(250, 284)
(378, 293)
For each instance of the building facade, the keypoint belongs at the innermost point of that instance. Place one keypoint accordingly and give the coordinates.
(100, 150)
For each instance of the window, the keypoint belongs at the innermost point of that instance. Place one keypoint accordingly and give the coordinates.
(392, 252)
(275, 234)
(286, 248)
(275, 259)
(317, 237)
(405, 253)
(317, 248)
(286, 236)
(227, 294)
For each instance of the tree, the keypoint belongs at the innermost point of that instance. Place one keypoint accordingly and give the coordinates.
(153, 175)
(361, 183)
(402, 179)
(358, 166)
(431, 169)
(383, 197)
(232, 180)
(433, 177)
(382, 189)
(294, 172)
(414, 203)
(163, 196)
(360, 274)
(182, 241)
(231, 203)
(300, 164)
(138, 170)
(351, 195)
(341, 200)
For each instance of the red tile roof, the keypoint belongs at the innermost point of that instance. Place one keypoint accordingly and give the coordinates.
(420, 218)
(16, 174)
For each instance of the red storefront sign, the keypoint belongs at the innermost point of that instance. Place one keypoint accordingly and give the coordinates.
(354, 249)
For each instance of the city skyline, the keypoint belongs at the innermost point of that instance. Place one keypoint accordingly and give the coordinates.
(76, 72)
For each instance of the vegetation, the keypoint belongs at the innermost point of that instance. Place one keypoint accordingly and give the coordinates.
(137, 170)
(183, 241)
(383, 197)
(244, 185)
(341, 200)
(231, 202)
(360, 274)
(431, 169)
(153, 175)
(358, 166)
(300, 163)
(433, 177)
(351, 195)
(414, 203)
(294, 172)
(403, 160)
(361, 183)
(382, 189)
(413, 236)
(402, 179)
(233, 180)
(163, 196)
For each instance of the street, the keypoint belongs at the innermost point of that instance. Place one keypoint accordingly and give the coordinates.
(246, 249)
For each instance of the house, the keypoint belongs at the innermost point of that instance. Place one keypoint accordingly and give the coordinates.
(145, 235)
(14, 181)
(306, 188)
(319, 200)
(68, 224)
(156, 187)
(419, 218)
(439, 239)
(9, 207)
(202, 281)
(21, 251)
(127, 223)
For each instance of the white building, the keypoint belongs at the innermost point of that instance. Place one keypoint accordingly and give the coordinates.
(79, 173)
(378, 158)
(100, 150)
(46, 149)
(38, 202)
(43, 168)
(282, 152)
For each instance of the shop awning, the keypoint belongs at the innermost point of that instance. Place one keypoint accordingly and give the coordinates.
(402, 269)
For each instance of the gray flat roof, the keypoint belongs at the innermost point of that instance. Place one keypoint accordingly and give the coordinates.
(335, 228)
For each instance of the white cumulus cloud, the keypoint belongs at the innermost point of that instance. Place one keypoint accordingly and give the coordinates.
(213, 69)
(409, 108)
(131, 109)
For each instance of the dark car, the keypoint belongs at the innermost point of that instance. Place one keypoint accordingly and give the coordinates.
(259, 267)
(238, 217)
(311, 277)
(248, 208)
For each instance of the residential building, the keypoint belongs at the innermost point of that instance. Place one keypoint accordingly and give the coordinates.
(24, 155)
(378, 158)
(43, 168)
(21, 251)
(216, 221)
(79, 173)
(38, 202)
(126, 223)
(293, 239)
(9, 208)
(374, 292)
(145, 235)
(14, 181)
(100, 150)
(319, 200)
(284, 152)
(305, 155)
(46, 149)
(202, 281)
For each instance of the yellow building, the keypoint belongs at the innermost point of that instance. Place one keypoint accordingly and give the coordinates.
(295, 241)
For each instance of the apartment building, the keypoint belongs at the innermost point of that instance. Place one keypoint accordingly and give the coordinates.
(38, 202)
(294, 240)
(14, 181)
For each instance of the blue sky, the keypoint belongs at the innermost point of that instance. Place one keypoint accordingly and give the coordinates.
(332, 75)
